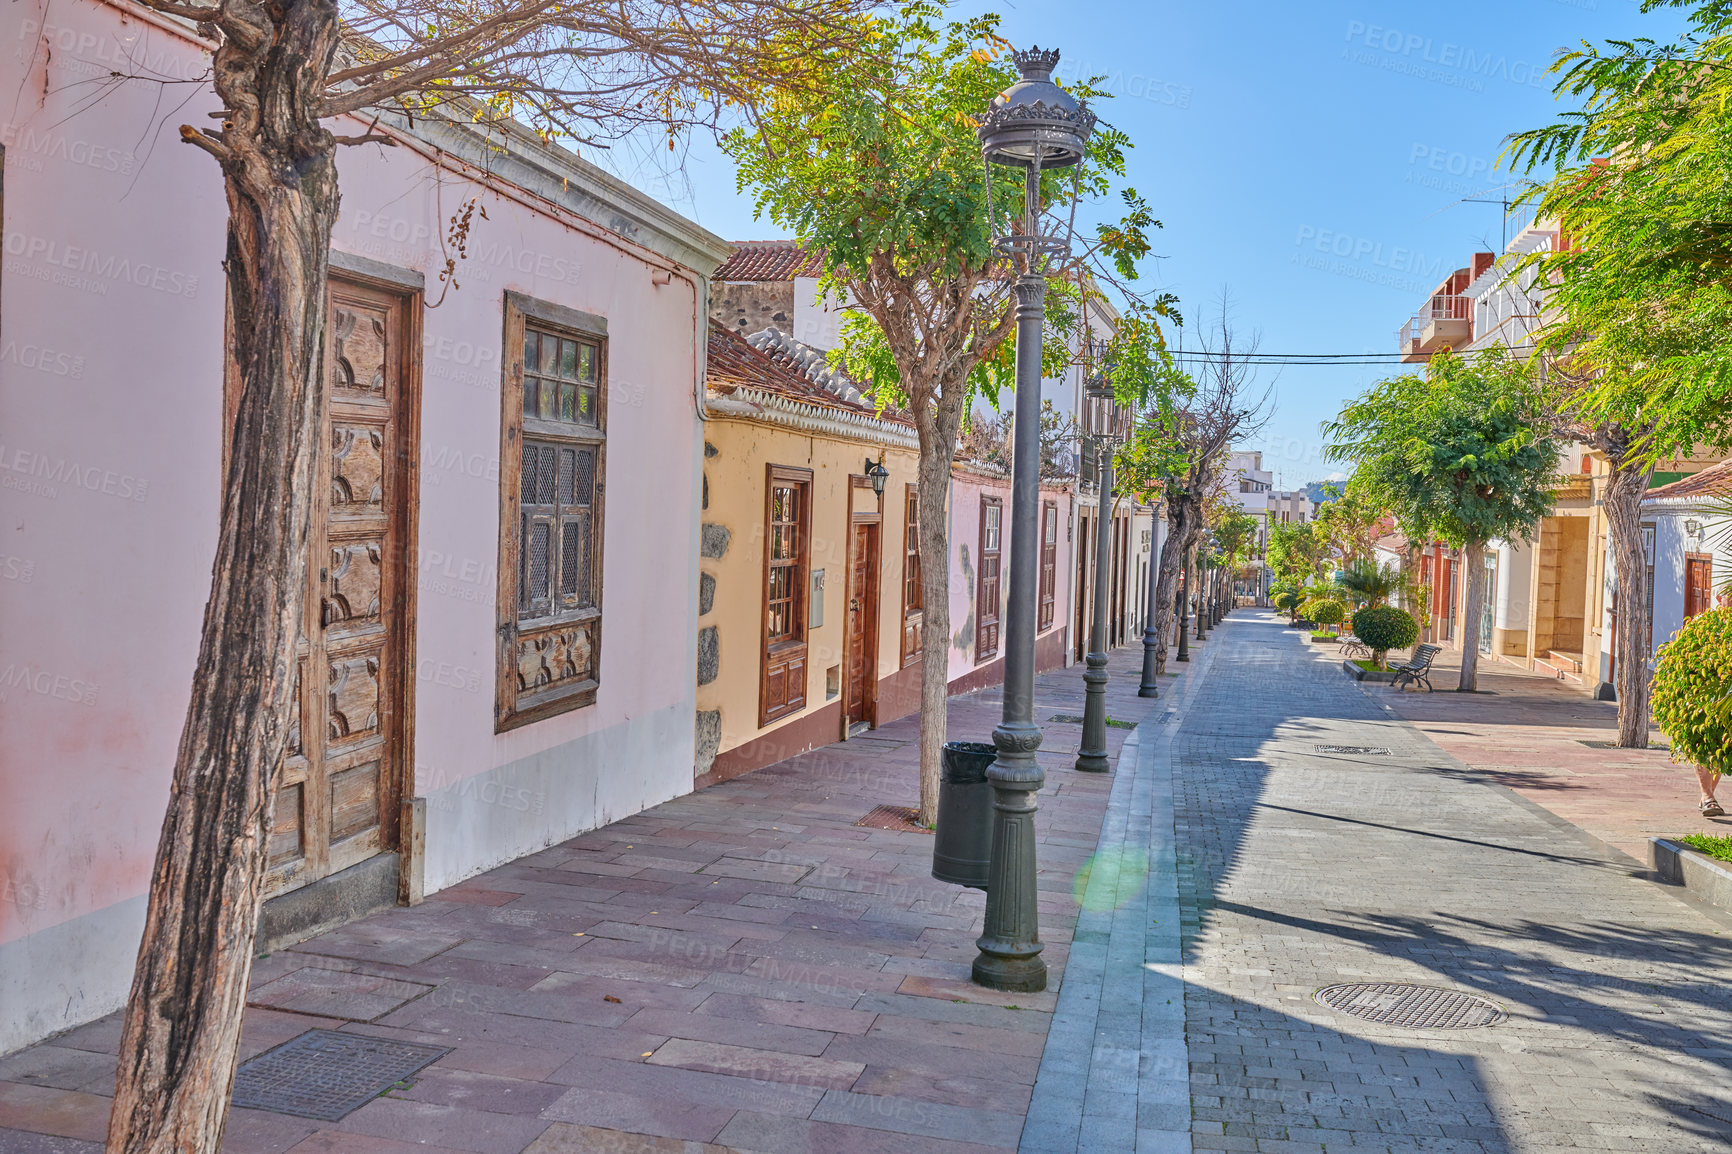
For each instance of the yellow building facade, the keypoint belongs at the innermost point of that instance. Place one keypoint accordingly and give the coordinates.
(806, 574)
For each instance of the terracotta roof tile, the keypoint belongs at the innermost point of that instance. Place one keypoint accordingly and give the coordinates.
(774, 363)
(760, 260)
(1715, 481)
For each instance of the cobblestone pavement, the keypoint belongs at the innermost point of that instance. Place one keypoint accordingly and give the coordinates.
(1546, 740)
(743, 968)
(1299, 869)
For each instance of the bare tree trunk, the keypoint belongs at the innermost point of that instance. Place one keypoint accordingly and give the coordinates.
(177, 1049)
(937, 449)
(1471, 614)
(1199, 588)
(1623, 503)
(1179, 521)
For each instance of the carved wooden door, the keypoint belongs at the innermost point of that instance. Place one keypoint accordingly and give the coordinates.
(337, 791)
(862, 601)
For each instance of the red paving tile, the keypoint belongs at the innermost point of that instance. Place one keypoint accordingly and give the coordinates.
(743, 967)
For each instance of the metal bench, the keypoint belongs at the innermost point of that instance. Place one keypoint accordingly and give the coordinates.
(1417, 669)
(1351, 646)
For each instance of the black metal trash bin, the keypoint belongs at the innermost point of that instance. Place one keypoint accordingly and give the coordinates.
(962, 843)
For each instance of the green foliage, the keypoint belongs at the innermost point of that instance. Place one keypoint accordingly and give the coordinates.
(1461, 454)
(1285, 600)
(875, 165)
(1715, 846)
(1235, 532)
(1639, 298)
(1145, 376)
(1693, 691)
(834, 162)
(1325, 611)
(1350, 523)
(1369, 583)
(1294, 552)
(1383, 629)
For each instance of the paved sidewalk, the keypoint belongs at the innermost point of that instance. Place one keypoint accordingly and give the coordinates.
(1546, 741)
(743, 968)
(1300, 868)
(1117, 1043)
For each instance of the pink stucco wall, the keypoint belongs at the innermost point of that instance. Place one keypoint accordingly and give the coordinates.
(966, 490)
(111, 321)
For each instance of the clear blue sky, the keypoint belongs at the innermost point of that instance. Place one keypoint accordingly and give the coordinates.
(1309, 157)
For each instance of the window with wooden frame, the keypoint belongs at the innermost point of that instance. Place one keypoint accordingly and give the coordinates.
(787, 569)
(551, 480)
(987, 595)
(913, 604)
(1048, 563)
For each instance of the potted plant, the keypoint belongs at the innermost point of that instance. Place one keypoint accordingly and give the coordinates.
(1325, 611)
(1382, 629)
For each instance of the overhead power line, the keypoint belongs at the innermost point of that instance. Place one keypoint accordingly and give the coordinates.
(1373, 359)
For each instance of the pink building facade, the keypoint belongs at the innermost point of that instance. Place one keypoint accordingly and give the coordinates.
(454, 717)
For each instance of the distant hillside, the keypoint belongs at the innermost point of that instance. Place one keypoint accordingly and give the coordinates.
(1318, 491)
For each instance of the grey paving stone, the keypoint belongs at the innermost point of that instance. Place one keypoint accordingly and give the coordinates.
(1298, 870)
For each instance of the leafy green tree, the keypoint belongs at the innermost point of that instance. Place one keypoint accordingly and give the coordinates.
(877, 169)
(1461, 454)
(1294, 553)
(1351, 521)
(1637, 298)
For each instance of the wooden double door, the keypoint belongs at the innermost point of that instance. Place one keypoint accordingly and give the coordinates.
(339, 784)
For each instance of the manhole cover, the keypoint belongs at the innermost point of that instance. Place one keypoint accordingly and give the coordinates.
(896, 817)
(325, 1074)
(1360, 750)
(1416, 1007)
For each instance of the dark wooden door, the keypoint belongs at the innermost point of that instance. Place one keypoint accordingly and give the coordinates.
(1084, 572)
(862, 623)
(1698, 584)
(338, 783)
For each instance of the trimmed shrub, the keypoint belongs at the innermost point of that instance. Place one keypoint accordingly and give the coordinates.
(1287, 601)
(1383, 629)
(1693, 691)
(1326, 611)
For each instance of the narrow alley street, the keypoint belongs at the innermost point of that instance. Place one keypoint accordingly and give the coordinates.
(748, 968)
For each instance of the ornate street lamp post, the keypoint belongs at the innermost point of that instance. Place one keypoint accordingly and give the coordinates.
(1103, 425)
(1038, 127)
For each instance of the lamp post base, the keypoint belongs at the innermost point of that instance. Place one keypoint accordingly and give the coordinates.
(1092, 757)
(1020, 975)
(1010, 942)
(1151, 659)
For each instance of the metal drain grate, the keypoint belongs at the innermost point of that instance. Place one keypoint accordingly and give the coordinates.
(1415, 1007)
(896, 817)
(325, 1074)
(1359, 750)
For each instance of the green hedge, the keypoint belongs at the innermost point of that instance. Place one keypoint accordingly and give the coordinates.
(1325, 611)
(1384, 628)
(1693, 691)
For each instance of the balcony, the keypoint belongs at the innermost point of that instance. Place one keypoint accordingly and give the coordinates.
(1445, 320)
